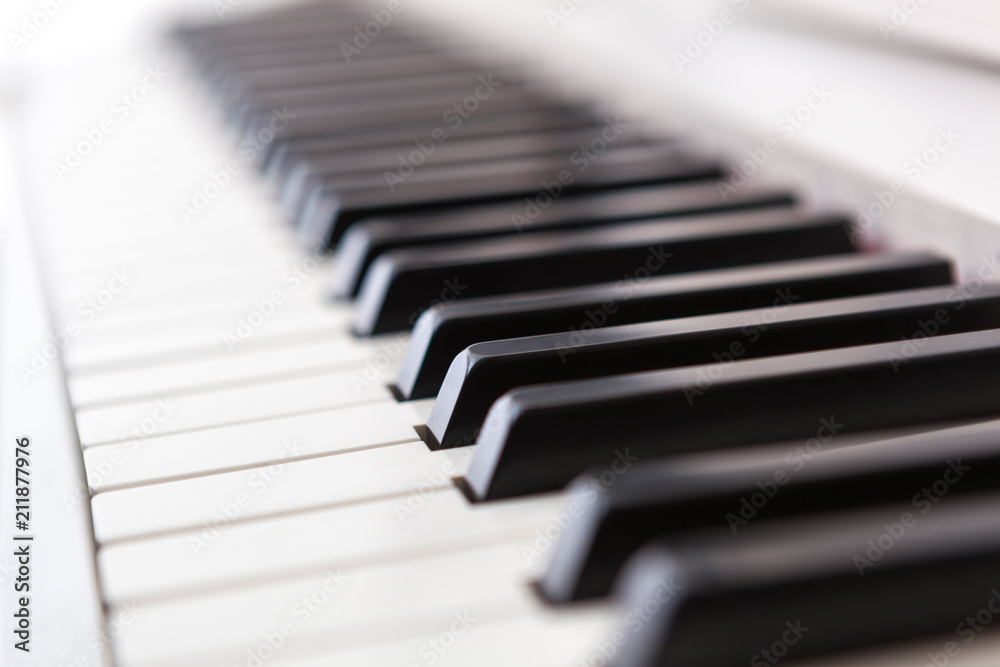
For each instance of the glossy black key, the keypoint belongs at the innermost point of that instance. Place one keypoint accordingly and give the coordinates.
(401, 89)
(796, 589)
(329, 211)
(350, 115)
(317, 122)
(287, 154)
(370, 238)
(538, 438)
(482, 373)
(403, 283)
(661, 499)
(323, 169)
(447, 329)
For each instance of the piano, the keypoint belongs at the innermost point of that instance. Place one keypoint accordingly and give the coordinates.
(563, 333)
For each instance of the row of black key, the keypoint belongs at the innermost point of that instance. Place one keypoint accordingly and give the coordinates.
(737, 321)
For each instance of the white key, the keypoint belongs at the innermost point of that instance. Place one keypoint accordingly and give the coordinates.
(282, 546)
(408, 471)
(232, 405)
(143, 280)
(164, 248)
(530, 638)
(159, 459)
(174, 377)
(393, 597)
(179, 316)
(219, 340)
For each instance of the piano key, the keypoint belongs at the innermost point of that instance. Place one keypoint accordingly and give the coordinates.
(363, 242)
(219, 407)
(310, 49)
(164, 377)
(406, 471)
(286, 153)
(445, 330)
(813, 587)
(401, 284)
(338, 113)
(483, 372)
(158, 458)
(538, 438)
(662, 499)
(313, 173)
(331, 119)
(308, 35)
(238, 85)
(219, 621)
(167, 566)
(330, 211)
(231, 333)
(534, 639)
(400, 88)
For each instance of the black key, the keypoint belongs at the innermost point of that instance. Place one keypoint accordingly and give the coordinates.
(332, 121)
(331, 99)
(349, 115)
(370, 238)
(233, 87)
(445, 330)
(485, 371)
(401, 89)
(661, 499)
(286, 154)
(221, 61)
(402, 283)
(538, 438)
(331, 210)
(795, 589)
(350, 164)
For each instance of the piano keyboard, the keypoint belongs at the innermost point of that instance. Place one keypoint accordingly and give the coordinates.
(438, 367)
